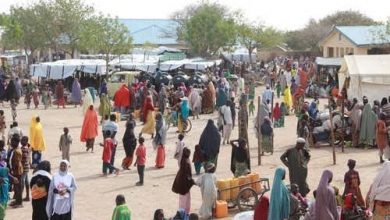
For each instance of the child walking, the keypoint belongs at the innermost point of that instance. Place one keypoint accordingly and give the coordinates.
(65, 142)
(179, 149)
(208, 188)
(107, 151)
(197, 159)
(26, 162)
(140, 162)
(251, 108)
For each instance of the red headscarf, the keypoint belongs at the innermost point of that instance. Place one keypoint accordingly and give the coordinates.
(262, 208)
(90, 126)
(148, 106)
(122, 97)
(276, 112)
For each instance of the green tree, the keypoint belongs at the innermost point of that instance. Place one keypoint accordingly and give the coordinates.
(308, 37)
(106, 35)
(258, 37)
(72, 17)
(207, 28)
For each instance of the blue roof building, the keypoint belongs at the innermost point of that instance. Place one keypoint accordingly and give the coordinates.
(360, 40)
(161, 32)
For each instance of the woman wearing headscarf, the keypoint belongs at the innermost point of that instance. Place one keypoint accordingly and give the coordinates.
(280, 197)
(121, 99)
(29, 92)
(11, 92)
(184, 113)
(149, 118)
(103, 88)
(37, 141)
(183, 182)
(159, 140)
(267, 133)
(129, 143)
(195, 101)
(162, 99)
(210, 141)
(240, 161)
(4, 187)
(355, 115)
(87, 101)
(105, 106)
(313, 111)
(367, 126)
(89, 130)
(325, 204)
(276, 114)
(39, 184)
(287, 99)
(76, 92)
(208, 99)
(61, 194)
(379, 194)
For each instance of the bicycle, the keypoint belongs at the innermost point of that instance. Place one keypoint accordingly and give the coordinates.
(171, 120)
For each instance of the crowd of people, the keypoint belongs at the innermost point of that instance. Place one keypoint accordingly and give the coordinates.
(52, 196)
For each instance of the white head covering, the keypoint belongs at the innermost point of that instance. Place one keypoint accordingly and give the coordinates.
(301, 140)
(67, 167)
(380, 188)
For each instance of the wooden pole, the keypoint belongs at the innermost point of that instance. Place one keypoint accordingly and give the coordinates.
(331, 131)
(342, 122)
(259, 144)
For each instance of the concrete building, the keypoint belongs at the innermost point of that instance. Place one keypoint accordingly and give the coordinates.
(358, 40)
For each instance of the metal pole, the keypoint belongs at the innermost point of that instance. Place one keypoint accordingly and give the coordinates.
(259, 143)
(342, 121)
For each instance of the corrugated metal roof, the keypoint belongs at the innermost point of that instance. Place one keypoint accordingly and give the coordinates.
(155, 31)
(365, 35)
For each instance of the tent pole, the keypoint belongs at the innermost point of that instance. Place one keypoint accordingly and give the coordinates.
(331, 131)
(259, 139)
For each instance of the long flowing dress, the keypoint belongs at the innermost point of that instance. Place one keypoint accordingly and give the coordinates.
(280, 200)
(149, 118)
(4, 187)
(87, 101)
(276, 114)
(367, 126)
(381, 138)
(159, 141)
(121, 98)
(207, 184)
(183, 183)
(325, 204)
(296, 160)
(356, 115)
(37, 141)
(76, 92)
(89, 130)
(210, 141)
(129, 143)
(39, 184)
(208, 100)
(105, 106)
(288, 99)
(379, 193)
(57, 205)
(266, 135)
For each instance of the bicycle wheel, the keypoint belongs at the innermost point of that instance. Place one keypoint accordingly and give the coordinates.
(247, 199)
(188, 126)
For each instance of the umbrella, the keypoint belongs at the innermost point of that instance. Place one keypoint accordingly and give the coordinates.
(178, 79)
(163, 78)
(198, 79)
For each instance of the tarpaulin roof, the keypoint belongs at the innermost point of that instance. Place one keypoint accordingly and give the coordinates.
(325, 61)
(64, 68)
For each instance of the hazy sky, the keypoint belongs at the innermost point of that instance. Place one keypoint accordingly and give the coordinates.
(283, 14)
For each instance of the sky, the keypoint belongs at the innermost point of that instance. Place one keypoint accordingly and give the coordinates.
(282, 14)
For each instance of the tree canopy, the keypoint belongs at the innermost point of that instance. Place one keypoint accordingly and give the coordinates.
(206, 28)
(308, 37)
(63, 26)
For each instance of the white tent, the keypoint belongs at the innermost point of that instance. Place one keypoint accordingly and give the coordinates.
(62, 69)
(369, 76)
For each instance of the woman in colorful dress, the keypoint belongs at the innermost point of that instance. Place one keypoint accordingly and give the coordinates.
(149, 118)
(159, 140)
(89, 130)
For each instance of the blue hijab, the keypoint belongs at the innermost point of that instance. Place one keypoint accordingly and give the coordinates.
(185, 109)
(4, 186)
(280, 199)
(313, 110)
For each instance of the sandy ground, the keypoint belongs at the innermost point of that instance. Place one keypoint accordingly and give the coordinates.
(95, 196)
